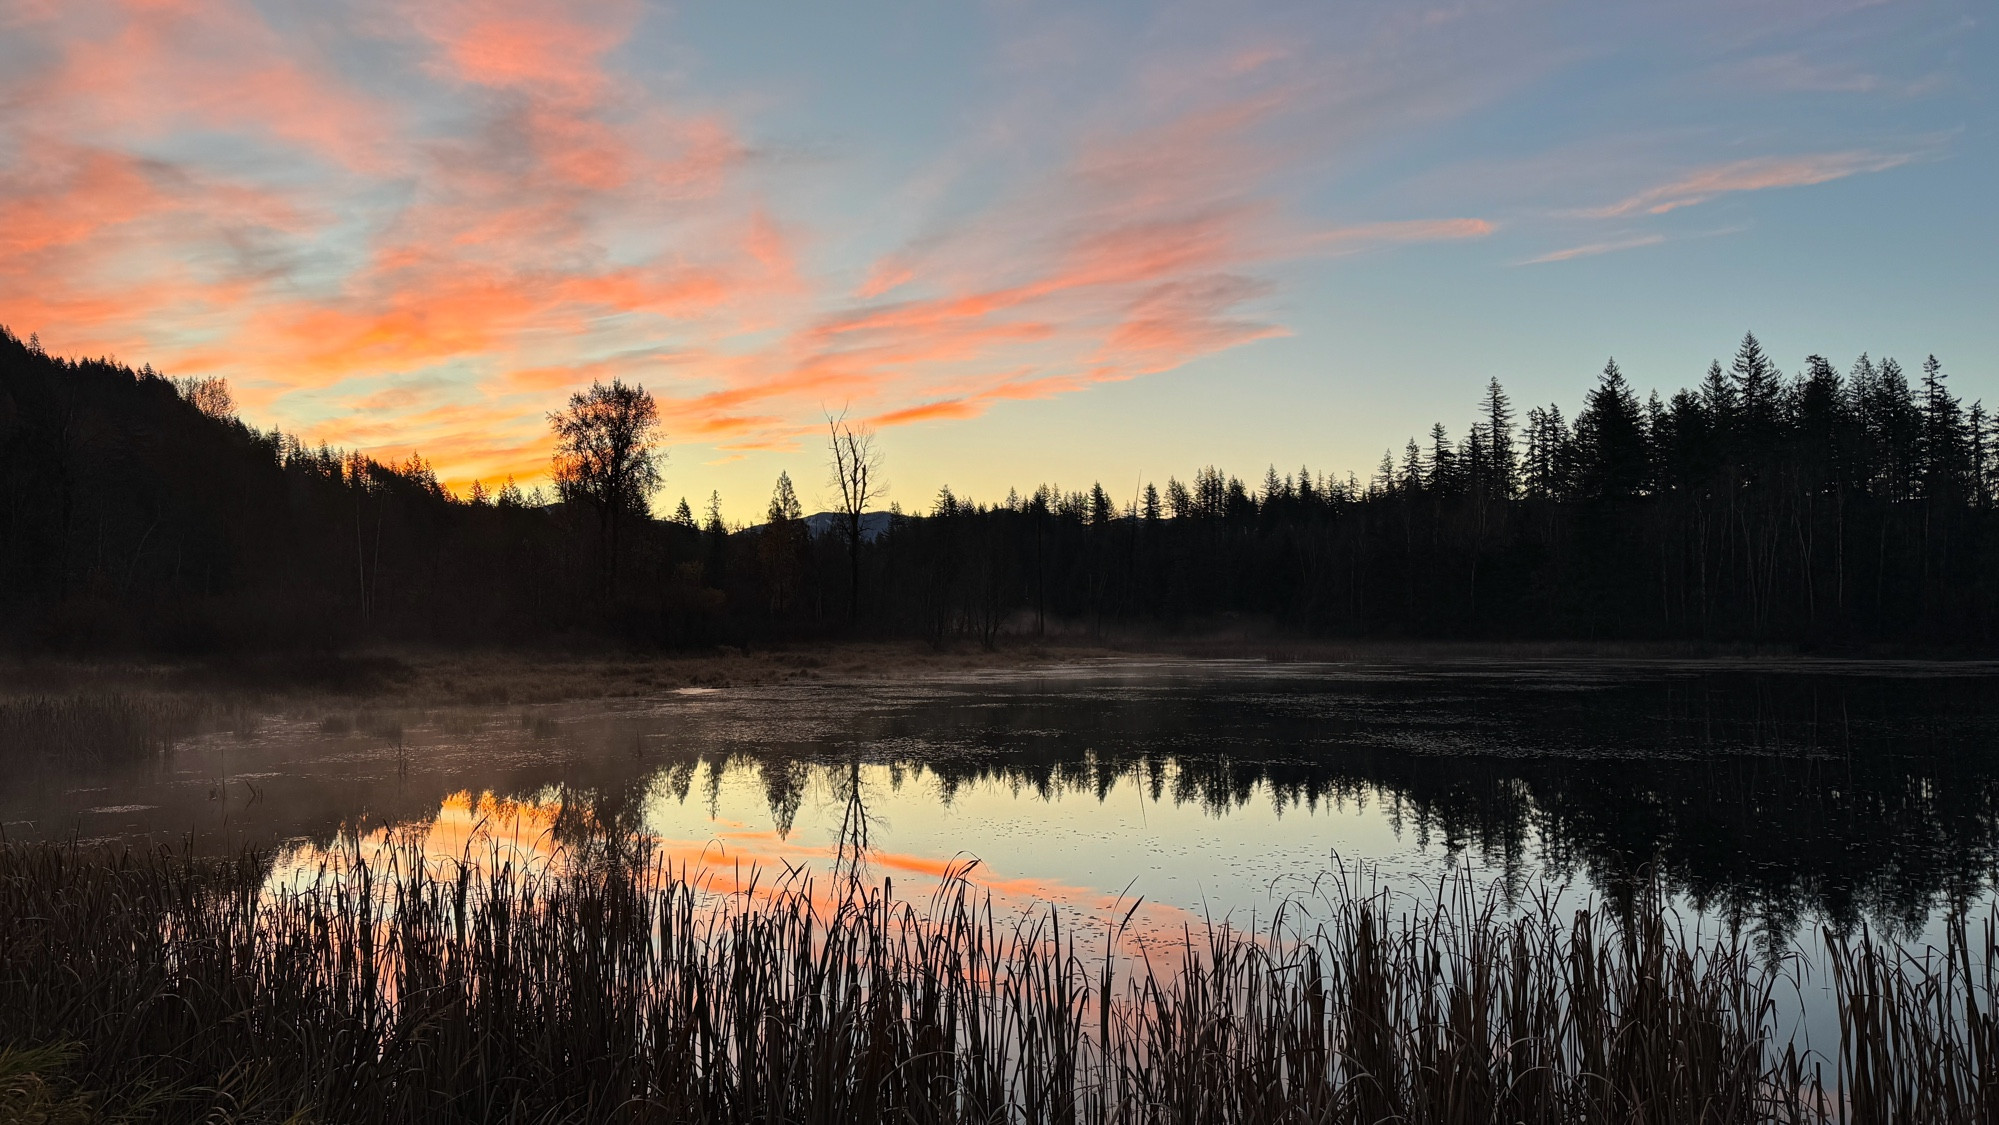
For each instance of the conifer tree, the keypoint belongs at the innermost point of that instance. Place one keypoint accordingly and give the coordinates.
(1504, 475)
(1943, 444)
(1611, 438)
(1412, 467)
(1273, 488)
(1439, 474)
(784, 505)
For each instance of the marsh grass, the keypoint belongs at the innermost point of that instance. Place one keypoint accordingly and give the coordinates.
(607, 987)
(98, 729)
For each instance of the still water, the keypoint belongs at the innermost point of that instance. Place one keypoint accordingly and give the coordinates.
(1777, 798)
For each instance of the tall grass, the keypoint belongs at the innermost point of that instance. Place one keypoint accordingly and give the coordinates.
(95, 729)
(388, 990)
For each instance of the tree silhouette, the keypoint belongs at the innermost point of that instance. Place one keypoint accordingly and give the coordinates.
(781, 547)
(133, 515)
(855, 466)
(605, 458)
(1611, 439)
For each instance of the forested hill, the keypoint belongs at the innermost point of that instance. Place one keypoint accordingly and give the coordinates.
(1823, 507)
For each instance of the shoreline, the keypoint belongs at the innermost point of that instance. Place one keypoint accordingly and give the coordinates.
(424, 675)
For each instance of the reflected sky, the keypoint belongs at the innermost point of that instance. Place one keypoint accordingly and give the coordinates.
(1216, 790)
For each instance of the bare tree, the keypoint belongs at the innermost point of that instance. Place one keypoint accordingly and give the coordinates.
(856, 468)
(210, 396)
(605, 457)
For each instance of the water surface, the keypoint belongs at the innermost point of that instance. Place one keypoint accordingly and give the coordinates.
(1773, 796)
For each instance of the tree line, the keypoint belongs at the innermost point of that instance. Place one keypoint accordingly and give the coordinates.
(1821, 507)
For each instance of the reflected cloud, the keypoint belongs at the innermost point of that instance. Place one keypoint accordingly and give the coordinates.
(558, 833)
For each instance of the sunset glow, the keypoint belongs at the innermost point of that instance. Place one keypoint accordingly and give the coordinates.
(403, 227)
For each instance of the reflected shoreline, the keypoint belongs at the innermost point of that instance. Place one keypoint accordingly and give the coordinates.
(1778, 797)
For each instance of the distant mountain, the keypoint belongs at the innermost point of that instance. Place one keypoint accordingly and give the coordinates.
(873, 524)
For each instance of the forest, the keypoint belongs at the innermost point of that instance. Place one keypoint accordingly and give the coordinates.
(1821, 508)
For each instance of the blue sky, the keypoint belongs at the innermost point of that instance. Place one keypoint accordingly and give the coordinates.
(1028, 241)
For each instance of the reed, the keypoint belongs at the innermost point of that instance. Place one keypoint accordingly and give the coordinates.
(390, 989)
(95, 729)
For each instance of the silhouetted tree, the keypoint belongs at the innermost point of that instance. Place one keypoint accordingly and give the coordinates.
(605, 457)
(1611, 439)
(856, 474)
(131, 514)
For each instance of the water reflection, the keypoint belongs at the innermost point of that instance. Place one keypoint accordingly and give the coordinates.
(1849, 794)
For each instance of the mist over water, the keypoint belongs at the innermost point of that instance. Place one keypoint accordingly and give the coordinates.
(1770, 798)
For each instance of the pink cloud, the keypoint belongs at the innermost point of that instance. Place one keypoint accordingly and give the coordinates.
(439, 284)
(1591, 249)
(1758, 174)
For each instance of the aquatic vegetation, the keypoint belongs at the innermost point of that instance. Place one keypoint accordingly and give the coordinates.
(617, 990)
(96, 728)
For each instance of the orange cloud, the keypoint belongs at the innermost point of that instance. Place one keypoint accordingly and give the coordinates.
(449, 265)
(735, 861)
(927, 411)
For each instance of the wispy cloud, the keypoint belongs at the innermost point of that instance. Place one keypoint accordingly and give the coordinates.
(1591, 249)
(430, 269)
(411, 224)
(1757, 174)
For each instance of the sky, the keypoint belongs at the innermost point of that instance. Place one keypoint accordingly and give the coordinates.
(1026, 241)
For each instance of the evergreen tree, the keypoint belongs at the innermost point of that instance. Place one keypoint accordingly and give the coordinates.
(1943, 450)
(1756, 386)
(1503, 480)
(1611, 439)
(1440, 474)
(1978, 428)
(784, 503)
(1101, 511)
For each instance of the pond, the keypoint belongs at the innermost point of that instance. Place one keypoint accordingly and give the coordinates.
(1773, 797)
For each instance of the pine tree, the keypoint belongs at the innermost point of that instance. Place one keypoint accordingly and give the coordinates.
(1718, 399)
(1756, 392)
(1978, 426)
(784, 505)
(1943, 440)
(1503, 475)
(1412, 467)
(1612, 438)
(1440, 475)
